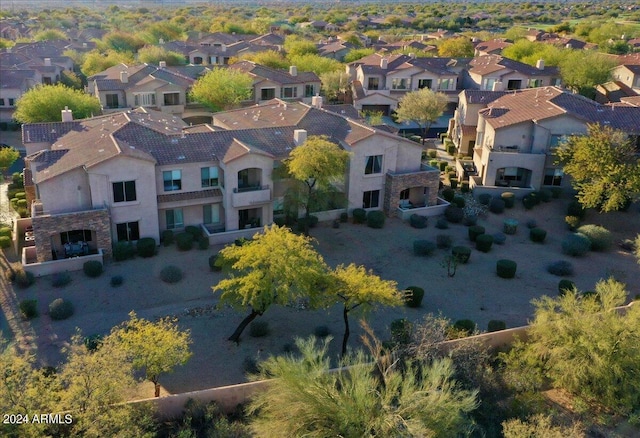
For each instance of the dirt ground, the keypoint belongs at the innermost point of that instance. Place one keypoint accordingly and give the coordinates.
(474, 293)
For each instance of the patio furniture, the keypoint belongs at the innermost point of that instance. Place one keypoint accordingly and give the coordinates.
(76, 249)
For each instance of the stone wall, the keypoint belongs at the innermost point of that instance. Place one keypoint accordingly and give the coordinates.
(395, 183)
(46, 227)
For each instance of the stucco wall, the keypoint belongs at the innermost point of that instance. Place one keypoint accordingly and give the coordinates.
(65, 193)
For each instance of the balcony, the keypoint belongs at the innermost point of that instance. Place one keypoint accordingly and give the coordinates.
(248, 196)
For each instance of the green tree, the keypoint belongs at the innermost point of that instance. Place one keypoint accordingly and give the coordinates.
(334, 83)
(268, 58)
(355, 54)
(7, 157)
(315, 63)
(164, 30)
(44, 103)
(50, 35)
(609, 182)
(315, 166)
(155, 54)
(294, 45)
(374, 397)
(460, 47)
(222, 88)
(121, 42)
(361, 291)
(422, 107)
(275, 267)
(582, 70)
(96, 62)
(71, 80)
(540, 426)
(155, 347)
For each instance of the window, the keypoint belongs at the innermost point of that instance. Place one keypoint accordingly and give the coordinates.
(124, 191)
(75, 236)
(197, 60)
(553, 176)
(278, 205)
(174, 218)
(424, 83)
(556, 139)
(267, 93)
(144, 99)
(374, 83)
(172, 180)
(128, 231)
(400, 83)
(209, 176)
(171, 99)
(533, 83)
(11, 101)
(487, 84)
(211, 214)
(2, 102)
(309, 90)
(288, 92)
(446, 84)
(404, 194)
(374, 165)
(46, 80)
(514, 84)
(112, 100)
(370, 199)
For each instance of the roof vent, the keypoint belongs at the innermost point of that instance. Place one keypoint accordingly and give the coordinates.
(181, 157)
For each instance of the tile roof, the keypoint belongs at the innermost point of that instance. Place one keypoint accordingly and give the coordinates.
(109, 79)
(184, 196)
(487, 64)
(482, 96)
(493, 45)
(15, 78)
(279, 76)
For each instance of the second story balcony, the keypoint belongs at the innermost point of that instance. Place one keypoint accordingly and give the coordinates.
(251, 195)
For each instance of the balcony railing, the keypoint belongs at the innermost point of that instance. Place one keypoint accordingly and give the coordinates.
(247, 196)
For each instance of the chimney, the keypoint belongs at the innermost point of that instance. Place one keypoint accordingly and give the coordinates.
(124, 77)
(316, 101)
(47, 62)
(67, 115)
(567, 46)
(161, 41)
(299, 136)
(163, 64)
(497, 86)
(383, 63)
(293, 70)
(540, 64)
(412, 55)
(84, 45)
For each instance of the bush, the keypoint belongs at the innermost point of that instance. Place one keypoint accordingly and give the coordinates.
(167, 237)
(401, 331)
(414, 297)
(451, 149)
(184, 241)
(5, 242)
(448, 194)
(60, 279)
(475, 231)
(573, 222)
(495, 325)
(6, 232)
(24, 279)
(417, 221)
(123, 251)
(565, 286)
(375, 219)
(442, 165)
(453, 182)
(321, 331)
(459, 201)
(116, 280)
(423, 247)
(576, 245)
(537, 235)
(464, 186)
(484, 199)
(443, 241)
(146, 247)
(344, 217)
(575, 209)
(510, 226)
(22, 203)
(60, 309)
(465, 325)
(509, 199)
(601, 238)
(28, 308)
(499, 238)
(194, 231)
(461, 253)
(213, 263)
(359, 215)
(259, 329)
(561, 268)
(432, 153)
(484, 242)
(470, 219)
(434, 164)
(203, 243)
(171, 274)
(442, 223)
(529, 201)
(506, 268)
(22, 212)
(454, 214)
(92, 268)
(497, 205)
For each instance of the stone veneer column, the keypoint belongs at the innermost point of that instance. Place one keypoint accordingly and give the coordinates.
(395, 183)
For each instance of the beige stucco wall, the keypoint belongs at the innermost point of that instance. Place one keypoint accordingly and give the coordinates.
(65, 193)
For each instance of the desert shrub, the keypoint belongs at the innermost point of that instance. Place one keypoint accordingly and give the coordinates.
(454, 214)
(442, 223)
(259, 329)
(184, 241)
(401, 331)
(203, 242)
(22, 212)
(116, 280)
(484, 242)
(495, 325)
(22, 203)
(20, 195)
(414, 297)
(453, 182)
(509, 199)
(5, 242)
(146, 247)
(28, 308)
(459, 201)
(423, 247)
(123, 251)
(359, 215)
(321, 331)
(510, 226)
(529, 201)
(464, 186)
(60, 279)
(171, 274)
(465, 325)
(484, 198)
(565, 286)
(499, 238)
(601, 238)
(470, 219)
(92, 268)
(167, 237)
(375, 219)
(432, 153)
(573, 222)
(6, 232)
(443, 241)
(60, 309)
(23, 279)
(417, 221)
(531, 223)
(344, 217)
(448, 194)
(451, 148)
(461, 253)
(214, 265)
(561, 268)
(575, 209)
(195, 231)
(434, 164)
(506, 268)
(576, 245)
(475, 231)
(496, 205)
(537, 235)
(442, 165)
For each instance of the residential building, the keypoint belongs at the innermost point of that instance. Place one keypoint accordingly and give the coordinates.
(491, 47)
(495, 73)
(628, 74)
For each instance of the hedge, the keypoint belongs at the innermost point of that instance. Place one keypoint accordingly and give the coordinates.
(414, 298)
(146, 247)
(576, 245)
(417, 221)
(60, 309)
(60, 279)
(6, 232)
(5, 242)
(123, 251)
(509, 199)
(184, 241)
(28, 308)
(359, 215)
(167, 237)
(601, 238)
(506, 268)
(375, 219)
(423, 247)
(537, 235)
(484, 242)
(92, 268)
(195, 231)
(474, 231)
(510, 226)
(561, 268)
(461, 253)
(497, 205)
(171, 274)
(448, 194)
